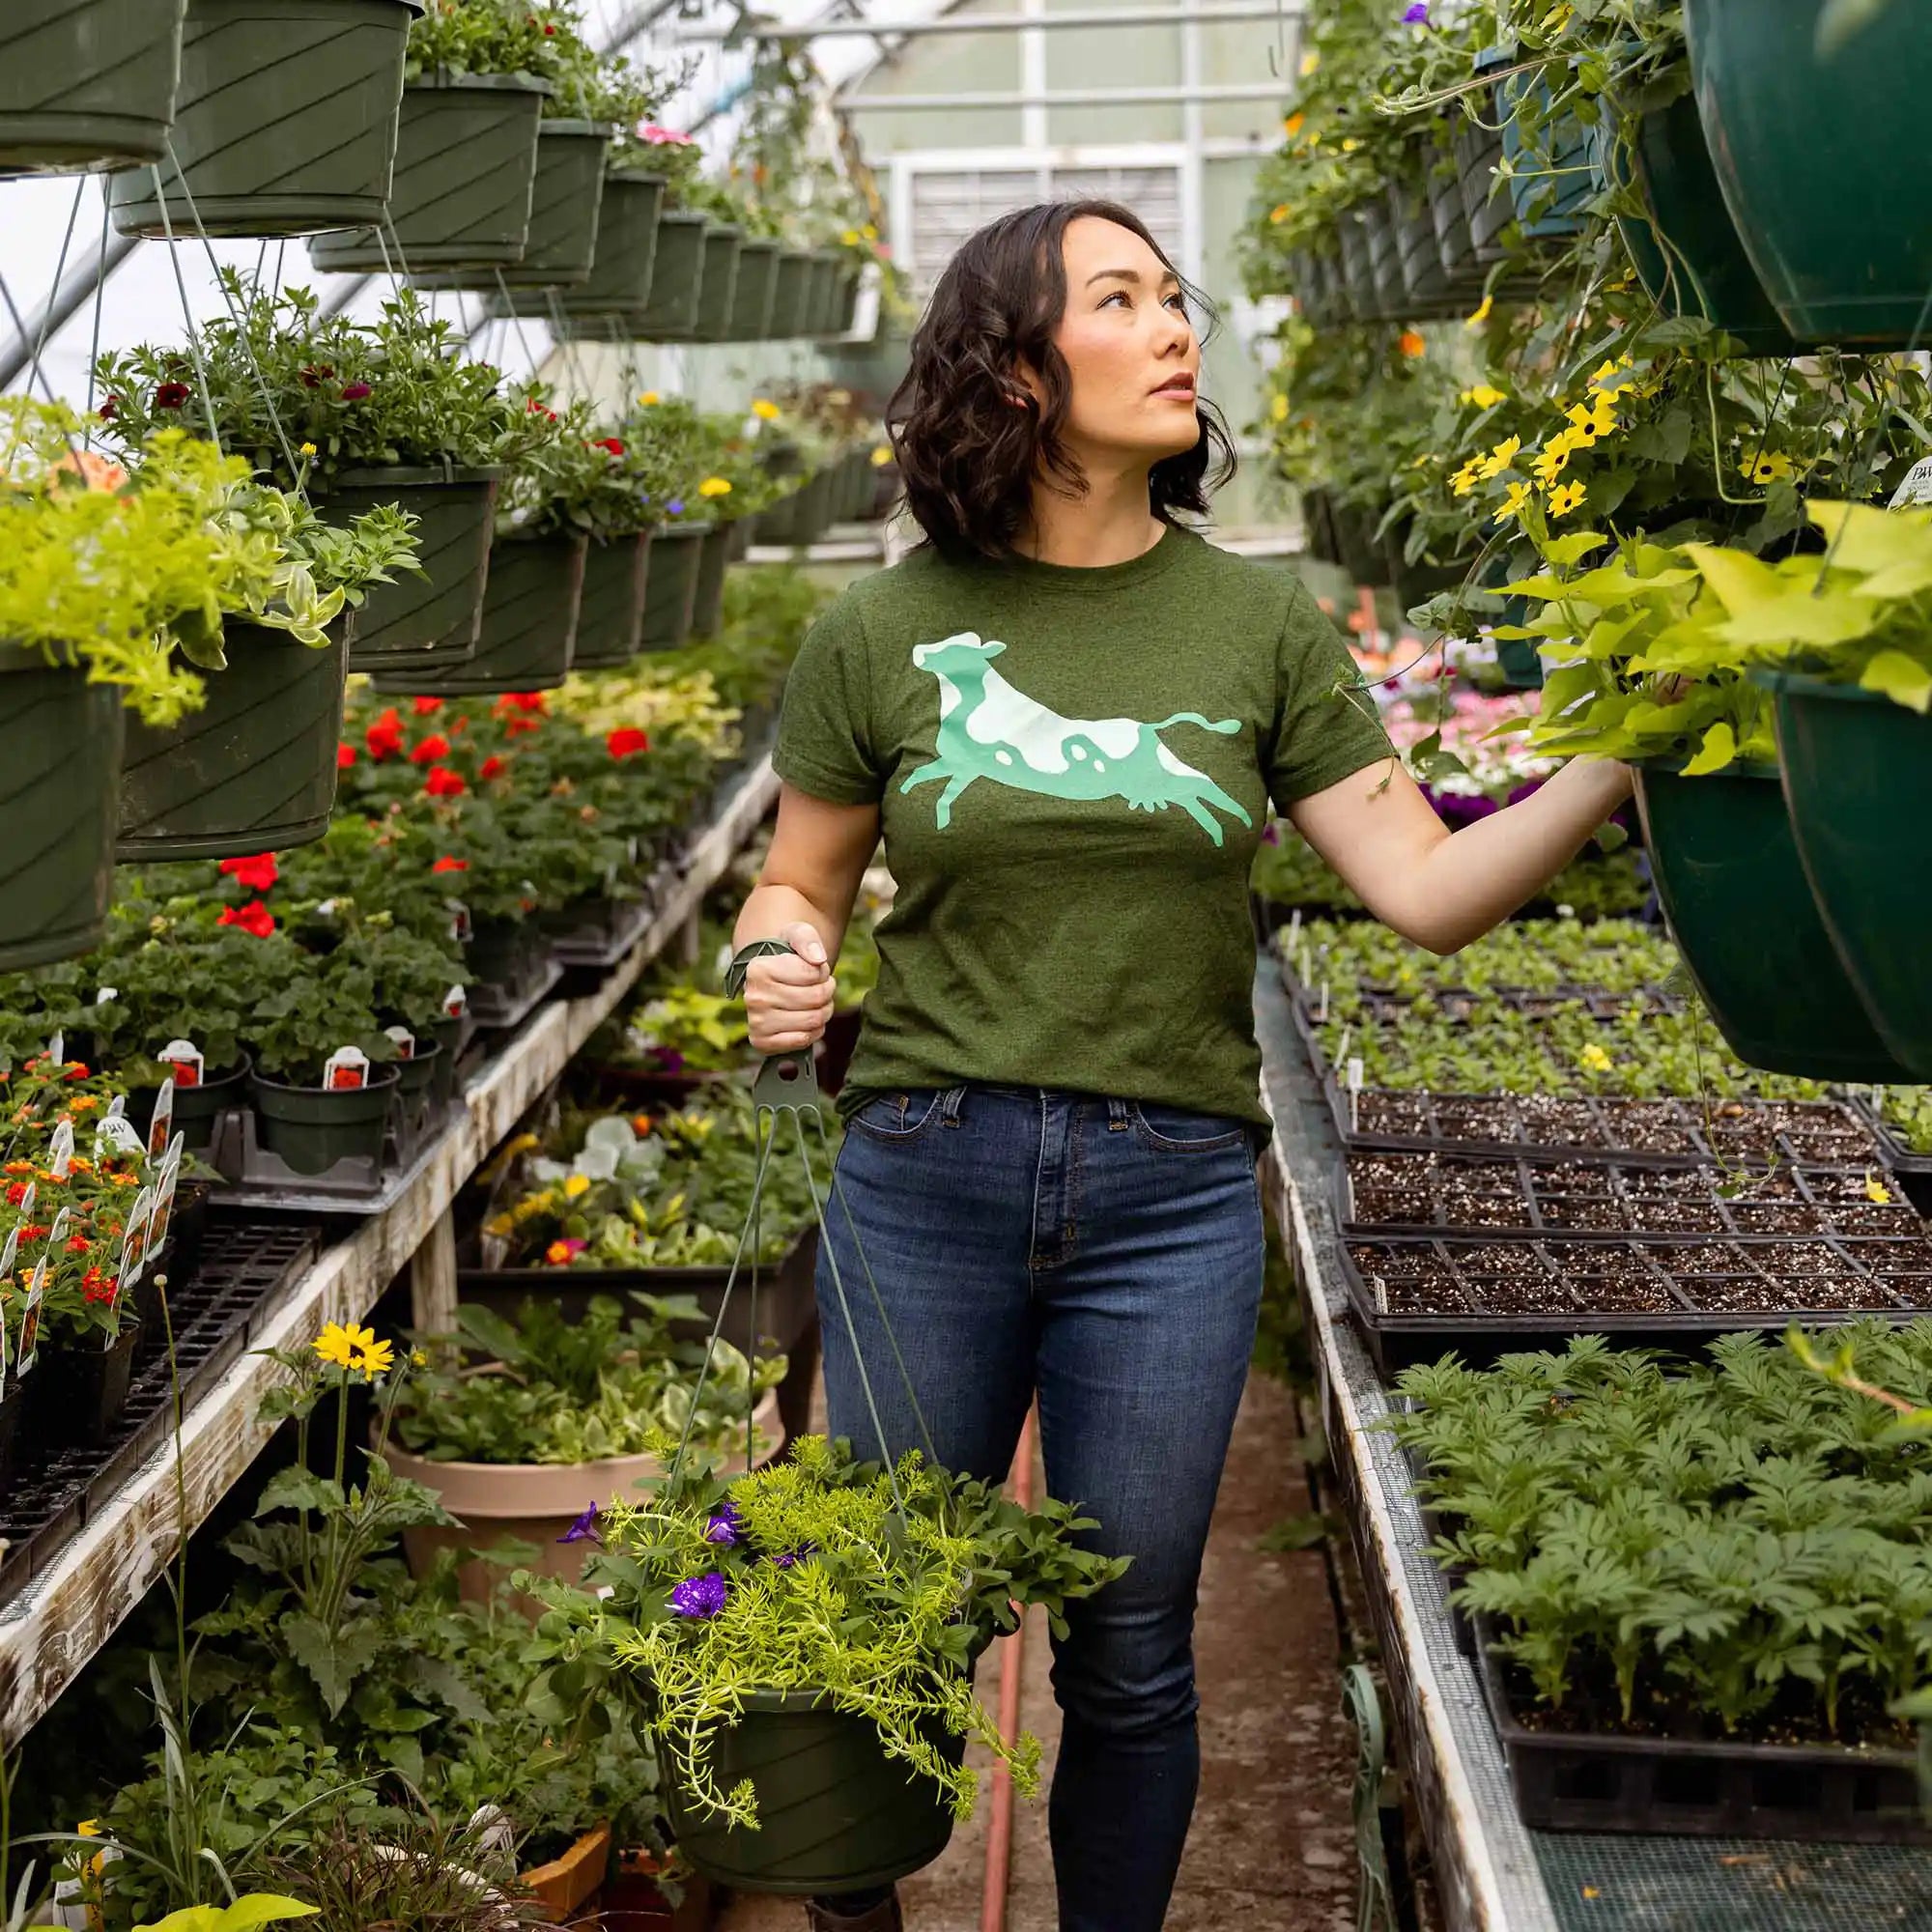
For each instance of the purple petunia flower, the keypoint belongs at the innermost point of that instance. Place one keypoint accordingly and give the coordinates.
(670, 1059)
(583, 1530)
(783, 1560)
(355, 393)
(1417, 15)
(676, 507)
(700, 1595)
(1271, 834)
(724, 1528)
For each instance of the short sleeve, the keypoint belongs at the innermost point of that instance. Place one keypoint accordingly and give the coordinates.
(825, 742)
(1326, 727)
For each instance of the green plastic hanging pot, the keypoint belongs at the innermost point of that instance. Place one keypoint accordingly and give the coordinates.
(1812, 154)
(846, 315)
(717, 284)
(310, 1128)
(1728, 874)
(1687, 253)
(707, 603)
(835, 1814)
(60, 757)
(1361, 555)
(1418, 261)
(87, 83)
(1487, 205)
(672, 590)
(465, 179)
(1384, 266)
(677, 280)
(1551, 184)
(1857, 783)
(823, 298)
(529, 623)
(418, 623)
(610, 617)
(254, 769)
(566, 204)
(752, 293)
(285, 122)
(619, 287)
(790, 295)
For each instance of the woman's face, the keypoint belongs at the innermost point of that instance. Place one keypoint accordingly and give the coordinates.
(1128, 345)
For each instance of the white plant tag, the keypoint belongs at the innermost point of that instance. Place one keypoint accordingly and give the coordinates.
(162, 1124)
(57, 1233)
(1294, 925)
(116, 1108)
(1355, 1096)
(325, 909)
(29, 1321)
(105, 994)
(345, 1069)
(164, 1195)
(1343, 1044)
(406, 1042)
(134, 1242)
(184, 1057)
(460, 929)
(455, 1002)
(59, 1151)
(57, 1049)
(27, 1200)
(1324, 1015)
(120, 1136)
(1916, 487)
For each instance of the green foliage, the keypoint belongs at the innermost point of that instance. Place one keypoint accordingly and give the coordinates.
(827, 1585)
(1737, 1546)
(1611, 955)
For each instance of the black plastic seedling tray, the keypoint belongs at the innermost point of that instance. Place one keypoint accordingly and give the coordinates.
(1377, 1193)
(1417, 1297)
(1913, 1170)
(503, 1009)
(214, 1313)
(1605, 1781)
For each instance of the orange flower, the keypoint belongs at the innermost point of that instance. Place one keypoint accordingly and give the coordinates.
(1412, 345)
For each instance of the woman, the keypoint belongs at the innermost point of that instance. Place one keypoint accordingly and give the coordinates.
(1068, 713)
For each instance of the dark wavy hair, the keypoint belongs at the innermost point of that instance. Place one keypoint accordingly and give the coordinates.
(967, 458)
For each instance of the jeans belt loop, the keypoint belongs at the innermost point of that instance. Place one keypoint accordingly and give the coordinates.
(948, 1108)
(1118, 1119)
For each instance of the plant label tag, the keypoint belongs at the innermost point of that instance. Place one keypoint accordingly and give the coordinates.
(27, 1200)
(455, 1002)
(57, 1233)
(7, 1253)
(184, 1057)
(460, 929)
(116, 1108)
(1916, 487)
(406, 1042)
(325, 909)
(105, 994)
(1878, 1099)
(120, 1137)
(1343, 1044)
(29, 1321)
(164, 1196)
(1294, 925)
(345, 1069)
(134, 1242)
(57, 1049)
(162, 1124)
(1354, 1096)
(1324, 1015)
(59, 1151)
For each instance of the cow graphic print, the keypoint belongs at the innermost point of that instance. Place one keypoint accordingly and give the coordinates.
(992, 729)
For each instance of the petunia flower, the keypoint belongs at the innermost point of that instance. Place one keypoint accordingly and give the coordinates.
(356, 392)
(701, 1596)
(491, 768)
(723, 1527)
(584, 1529)
(171, 396)
(676, 507)
(384, 737)
(426, 707)
(1417, 15)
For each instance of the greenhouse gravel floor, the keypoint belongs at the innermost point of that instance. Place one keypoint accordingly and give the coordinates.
(1272, 1848)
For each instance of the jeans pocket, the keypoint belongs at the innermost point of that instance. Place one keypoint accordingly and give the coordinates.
(1181, 1130)
(896, 1117)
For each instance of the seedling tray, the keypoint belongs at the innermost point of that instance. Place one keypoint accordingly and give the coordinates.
(1458, 1003)
(257, 1180)
(1379, 1194)
(1601, 1781)
(1417, 1297)
(503, 1009)
(589, 950)
(1913, 1170)
(214, 1314)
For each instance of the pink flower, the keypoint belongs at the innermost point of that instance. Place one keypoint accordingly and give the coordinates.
(663, 137)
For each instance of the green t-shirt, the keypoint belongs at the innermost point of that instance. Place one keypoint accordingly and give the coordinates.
(1071, 906)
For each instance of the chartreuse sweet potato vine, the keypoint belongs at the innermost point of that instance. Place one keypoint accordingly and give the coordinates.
(804, 1576)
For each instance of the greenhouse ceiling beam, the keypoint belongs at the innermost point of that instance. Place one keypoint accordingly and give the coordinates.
(994, 23)
(1069, 96)
(67, 301)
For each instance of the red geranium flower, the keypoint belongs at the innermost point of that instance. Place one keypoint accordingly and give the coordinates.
(492, 768)
(626, 740)
(253, 918)
(431, 749)
(446, 864)
(518, 700)
(442, 783)
(515, 728)
(254, 876)
(384, 737)
(611, 443)
(345, 756)
(427, 708)
(110, 408)
(171, 396)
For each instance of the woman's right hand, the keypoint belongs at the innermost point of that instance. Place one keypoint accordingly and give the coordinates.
(788, 995)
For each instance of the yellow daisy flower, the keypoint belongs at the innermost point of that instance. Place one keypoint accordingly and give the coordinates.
(1875, 1190)
(1483, 396)
(765, 412)
(576, 1185)
(1499, 458)
(649, 399)
(715, 486)
(378, 1358)
(1512, 503)
(1562, 502)
(1595, 1059)
(336, 1345)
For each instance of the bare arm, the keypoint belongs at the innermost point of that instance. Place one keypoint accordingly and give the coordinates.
(1441, 889)
(805, 897)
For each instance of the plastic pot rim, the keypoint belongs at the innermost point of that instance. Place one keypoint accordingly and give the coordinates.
(412, 476)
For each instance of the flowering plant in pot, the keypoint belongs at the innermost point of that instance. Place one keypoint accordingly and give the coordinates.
(787, 1727)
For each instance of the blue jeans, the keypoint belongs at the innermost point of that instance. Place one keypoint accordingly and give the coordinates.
(1107, 1257)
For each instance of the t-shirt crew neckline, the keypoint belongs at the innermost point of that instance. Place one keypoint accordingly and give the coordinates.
(1092, 579)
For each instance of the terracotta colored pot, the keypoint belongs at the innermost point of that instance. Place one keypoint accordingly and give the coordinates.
(566, 1883)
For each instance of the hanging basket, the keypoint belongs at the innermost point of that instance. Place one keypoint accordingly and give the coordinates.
(677, 278)
(1728, 874)
(752, 293)
(419, 623)
(285, 123)
(465, 179)
(822, 299)
(717, 284)
(529, 623)
(253, 770)
(707, 603)
(1810, 154)
(566, 209)
(791, 291)
(627, 239)
(1857, 783)
(310, 1128)
(610, 619)
(1551, 185)
(671, 590)
(60, 761)
(848, 312)
(87, 83)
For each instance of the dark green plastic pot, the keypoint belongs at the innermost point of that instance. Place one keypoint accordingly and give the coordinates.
(465, 179)
(1361, 556)
(502, 952)
(1728, 874)
(60, 758)
(566, 204)
(677, 280)
(846, 315)
(753, 292)
(610, 617)
(627, 241)
(1486, 197)
(1857, 783)
(835, 1814)
(823, 298)
(790, 292)
(1418, 260)
(253, 770)
(310, 1128)
(717, 284)
(1687, 253)
(1812, 158)
(1552, 184)
(672, 590)
(418, 623)
(419, 1083)
(529, 623)
(1358, 281)
(1384, 265)
(196, 1108)
(80, 1388)
(707, 603)
(285, 122)
(87, 83)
